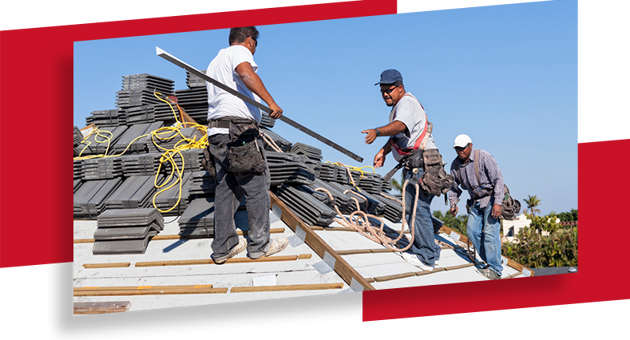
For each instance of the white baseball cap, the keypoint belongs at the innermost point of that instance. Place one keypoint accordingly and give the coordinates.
(461, 141)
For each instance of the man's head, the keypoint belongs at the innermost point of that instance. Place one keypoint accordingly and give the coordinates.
(246, 36)
(463, 147)
(392, 88)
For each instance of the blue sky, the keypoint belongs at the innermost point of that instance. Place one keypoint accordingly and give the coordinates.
(505, 75)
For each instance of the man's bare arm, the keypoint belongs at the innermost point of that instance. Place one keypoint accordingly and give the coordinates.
(253, 82)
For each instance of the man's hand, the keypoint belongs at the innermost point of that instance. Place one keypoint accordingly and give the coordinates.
(453, 211)
(277, 111)
(379, 159)
(371, 135)
(496, 211)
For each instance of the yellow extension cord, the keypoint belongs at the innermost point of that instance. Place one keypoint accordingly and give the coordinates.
(161, 134)
(354, 168)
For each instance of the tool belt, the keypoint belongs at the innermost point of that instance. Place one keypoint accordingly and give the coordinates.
(509, 207)
(435, 180)
(244, 155)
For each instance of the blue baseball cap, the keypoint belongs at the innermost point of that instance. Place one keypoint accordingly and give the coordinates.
(390, 76)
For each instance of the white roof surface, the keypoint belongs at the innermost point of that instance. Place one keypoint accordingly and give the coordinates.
(374, 267)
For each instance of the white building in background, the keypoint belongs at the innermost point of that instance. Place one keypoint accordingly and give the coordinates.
(512, 227)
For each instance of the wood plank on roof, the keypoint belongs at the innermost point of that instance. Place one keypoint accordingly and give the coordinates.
(342, 268)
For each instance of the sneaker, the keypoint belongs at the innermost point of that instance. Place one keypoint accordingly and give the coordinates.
(416, 261)
(489, 273)
(242, 244)
(277, 245)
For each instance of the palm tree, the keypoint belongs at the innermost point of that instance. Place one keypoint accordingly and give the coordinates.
(532, 202)
(398, 185)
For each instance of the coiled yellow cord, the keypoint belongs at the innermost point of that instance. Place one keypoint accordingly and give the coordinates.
(168, 155)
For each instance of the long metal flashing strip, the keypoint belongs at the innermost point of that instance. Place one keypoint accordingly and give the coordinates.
(160, 52)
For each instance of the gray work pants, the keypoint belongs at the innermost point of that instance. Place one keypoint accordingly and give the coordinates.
(231, 189)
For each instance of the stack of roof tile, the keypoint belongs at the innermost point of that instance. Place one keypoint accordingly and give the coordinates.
(282, 143)
(307, 150)
(102, 168)
(139, 89)
(89, 199)
(393, 208)
(168, 139)
(374, 206)
(77, 185)
(78, 169)
(113, 117)
(202, 184)
(198, 218)
(194, 81)
(309, 208)
(126, 231)
(328, 172)
(134, 192)
(173, 197)
(386, 186)
(78, 137)
(354, 199)
(102, 141)
(195, 102)
(342, 175)
(140, 165)
(151, 113)
(288, 168)
(266, 121)
(191, 159)
(342, 201)
(130, 140)
(367, 181)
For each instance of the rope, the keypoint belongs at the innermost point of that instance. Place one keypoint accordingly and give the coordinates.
(271, 142)
(359, 221)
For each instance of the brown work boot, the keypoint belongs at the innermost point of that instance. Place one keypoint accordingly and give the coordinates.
(242, 244)
(277, 246)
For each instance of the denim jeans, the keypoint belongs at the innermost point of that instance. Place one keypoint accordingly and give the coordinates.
(423, 240)
(484, 233)
(231, 189)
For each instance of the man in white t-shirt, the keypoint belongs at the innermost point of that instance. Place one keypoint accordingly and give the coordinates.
(408, 130)
(228, 116)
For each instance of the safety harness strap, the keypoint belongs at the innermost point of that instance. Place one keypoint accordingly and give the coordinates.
(421, 141)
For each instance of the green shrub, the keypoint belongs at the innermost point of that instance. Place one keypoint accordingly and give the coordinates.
(534, 248)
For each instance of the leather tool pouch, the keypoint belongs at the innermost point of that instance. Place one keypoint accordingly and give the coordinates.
(435, 180)
(416, 159)
(244, 154)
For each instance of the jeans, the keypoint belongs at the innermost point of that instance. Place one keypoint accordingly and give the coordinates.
(484, 233)
(423, 240)
(231, 189)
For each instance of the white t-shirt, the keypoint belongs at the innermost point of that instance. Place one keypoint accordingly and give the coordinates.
(222, 104)
(409, 111)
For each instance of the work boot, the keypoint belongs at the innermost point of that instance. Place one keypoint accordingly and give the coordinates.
(242, 244)
(277, 245)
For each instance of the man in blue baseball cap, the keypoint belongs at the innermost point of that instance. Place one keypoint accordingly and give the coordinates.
(408, 131)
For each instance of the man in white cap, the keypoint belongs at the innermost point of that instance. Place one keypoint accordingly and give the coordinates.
(408, 131)
(477, 172)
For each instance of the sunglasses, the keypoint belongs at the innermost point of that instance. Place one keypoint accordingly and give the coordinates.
(255, 41)
(459, 149)
(388, 91)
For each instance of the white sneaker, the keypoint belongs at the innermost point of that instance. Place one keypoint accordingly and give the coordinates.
(277, 245)
(242, 244)
(416, 261)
